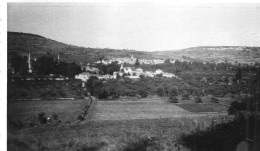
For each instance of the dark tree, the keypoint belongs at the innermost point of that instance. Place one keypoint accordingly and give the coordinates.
(160, 91)
(15, 61)
(114, 66)
(137, 63)
(89, 84)
(24, 66)
(73, 69)
(173, 95)
(45, 65)
(167, 61)
(238, 75)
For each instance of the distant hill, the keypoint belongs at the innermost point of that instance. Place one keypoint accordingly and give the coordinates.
(22, 43)
(215, 54)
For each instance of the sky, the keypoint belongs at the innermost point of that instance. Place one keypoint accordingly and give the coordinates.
(139, 26)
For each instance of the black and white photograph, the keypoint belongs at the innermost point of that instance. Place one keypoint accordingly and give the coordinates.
(132, 76)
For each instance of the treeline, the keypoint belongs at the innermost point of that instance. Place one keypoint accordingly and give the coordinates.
(44, 65)
(179, 66)
(195, 84)
(109, 68)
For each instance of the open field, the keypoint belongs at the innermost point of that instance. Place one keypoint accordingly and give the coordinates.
(151, 107)
(129, 124)
(128, 135)
(204, 107)
(27, 111)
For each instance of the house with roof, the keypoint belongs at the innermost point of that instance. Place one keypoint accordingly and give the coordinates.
(128, 70)
(158, 71)
(83, 76)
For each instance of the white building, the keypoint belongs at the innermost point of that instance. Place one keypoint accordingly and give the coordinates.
(83, 76)
(158, 71)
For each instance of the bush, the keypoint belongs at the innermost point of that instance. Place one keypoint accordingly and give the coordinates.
(173, 99)
(173, 92)
(160, 91)
(142, 93)
(198, 99)
(54, 116)
(185, 96)
(42, 118)
(247, 104)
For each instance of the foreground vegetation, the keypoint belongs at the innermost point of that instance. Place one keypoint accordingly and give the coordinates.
(155, 134)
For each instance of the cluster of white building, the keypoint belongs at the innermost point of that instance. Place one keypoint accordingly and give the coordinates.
(131, 60)
(131, 72)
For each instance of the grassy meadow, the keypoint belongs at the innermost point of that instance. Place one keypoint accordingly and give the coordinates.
(133, 124)
(128, 135)
(24, 114)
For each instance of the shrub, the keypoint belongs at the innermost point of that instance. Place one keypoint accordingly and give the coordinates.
(160, 91)
(173, 99)
(185, 96)
(173, 92)
(42, 118)
(54, 116)
(142, 93)
(198, 99)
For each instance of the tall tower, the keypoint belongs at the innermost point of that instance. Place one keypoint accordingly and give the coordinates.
(122, 66)
(29, 63)
(132, 58)
(58, 58)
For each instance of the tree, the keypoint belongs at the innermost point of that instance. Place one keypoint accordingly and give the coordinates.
(142, 93)
(137, 63)
(238, 75)
(73, 69)
(15, 61)
(113, 67)
(89, 84)
(167, 61)
(173, 95)
(160, 91)
(100, 57)
(45, 65)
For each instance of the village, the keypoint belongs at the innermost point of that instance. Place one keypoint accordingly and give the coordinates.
(131, 72)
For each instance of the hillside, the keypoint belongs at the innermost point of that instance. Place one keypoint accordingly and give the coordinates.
(215, 54)
(22, 43)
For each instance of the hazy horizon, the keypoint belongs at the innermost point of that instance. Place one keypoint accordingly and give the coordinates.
(139, 26)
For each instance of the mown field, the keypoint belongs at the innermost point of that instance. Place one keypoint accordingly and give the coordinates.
(151, 107)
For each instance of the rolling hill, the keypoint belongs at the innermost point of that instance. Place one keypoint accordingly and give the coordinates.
(215, 54)
(22, 43)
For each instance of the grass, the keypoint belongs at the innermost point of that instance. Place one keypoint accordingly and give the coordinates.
(145, 108)
(142, 134)
(129, 125)
(209, 107)
(26, 112)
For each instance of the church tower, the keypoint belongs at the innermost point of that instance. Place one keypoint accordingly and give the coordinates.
(58, 58)
(132, 58)
(29, 63)
(122, 66)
